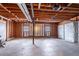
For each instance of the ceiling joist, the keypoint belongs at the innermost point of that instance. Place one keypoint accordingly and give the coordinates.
(9, 11)
(2, 17)
(41, 11)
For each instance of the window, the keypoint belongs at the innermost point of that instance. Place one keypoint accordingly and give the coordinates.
(47, 30)
(26, 28)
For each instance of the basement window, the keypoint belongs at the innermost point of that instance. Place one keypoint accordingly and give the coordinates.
(47, 30)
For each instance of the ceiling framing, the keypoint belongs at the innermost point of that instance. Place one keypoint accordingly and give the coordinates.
(42, 11)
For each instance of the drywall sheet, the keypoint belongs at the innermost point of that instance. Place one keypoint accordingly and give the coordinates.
(61, 31)
(2, 31)
(69, 32)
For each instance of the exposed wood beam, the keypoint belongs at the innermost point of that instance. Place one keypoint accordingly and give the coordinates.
(16, 11)
(4, 17)
(50, 14)
(9, 11)
(66, 7)
(25, 11)
(49, 6)
(9, 5)
(12, 10)
(50, 10)
(53, 13)
(45, 7)
(48, 21)
(39, 6)
(12, 7)
(10, 16)
(71, 8)
(62, 17)
(46, 10)
(69, 4)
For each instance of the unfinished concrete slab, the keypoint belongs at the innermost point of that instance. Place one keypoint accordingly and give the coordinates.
(42, 47)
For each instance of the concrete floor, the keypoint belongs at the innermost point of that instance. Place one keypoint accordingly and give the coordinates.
(42, 47)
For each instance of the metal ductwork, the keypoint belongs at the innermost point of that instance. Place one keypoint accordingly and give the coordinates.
(25, 11)
(32, 9)
(56, 7)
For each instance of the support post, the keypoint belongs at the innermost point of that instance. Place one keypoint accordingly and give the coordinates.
(32, 11)
(6, 30)
(33, 31)
(76, 31)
